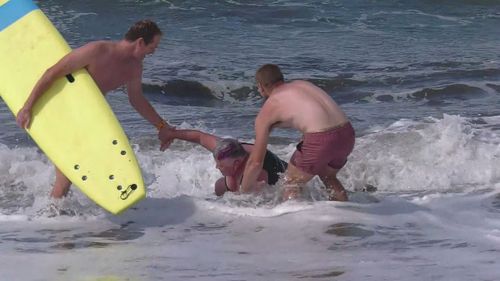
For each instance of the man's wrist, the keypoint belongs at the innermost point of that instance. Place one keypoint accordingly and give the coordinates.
(27, 107)
(162, 124)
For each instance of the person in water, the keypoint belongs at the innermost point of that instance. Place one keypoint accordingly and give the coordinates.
(230, 157)
(328, 137)
(111, 65)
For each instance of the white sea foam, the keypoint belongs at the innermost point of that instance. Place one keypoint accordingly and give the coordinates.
(424, 222)
(437, 155)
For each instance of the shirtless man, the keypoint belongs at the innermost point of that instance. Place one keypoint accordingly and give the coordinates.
(111, 65)
(328, 137)
(230, 158)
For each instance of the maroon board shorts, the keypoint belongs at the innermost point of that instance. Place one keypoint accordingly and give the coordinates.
(321, 149)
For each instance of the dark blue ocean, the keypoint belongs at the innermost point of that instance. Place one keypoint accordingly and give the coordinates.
(419, 80)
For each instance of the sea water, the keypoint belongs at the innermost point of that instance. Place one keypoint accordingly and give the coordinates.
(419, 80)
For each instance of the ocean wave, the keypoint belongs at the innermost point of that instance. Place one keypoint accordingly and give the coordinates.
(423, 14)
(452, 154)
(383, 86)
(208, 93)
(495, 87)
(449, 92)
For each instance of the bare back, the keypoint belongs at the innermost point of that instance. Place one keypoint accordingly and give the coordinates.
(306, 107)
(111, 67)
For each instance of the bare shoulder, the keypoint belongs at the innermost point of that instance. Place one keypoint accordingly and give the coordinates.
(269, 111)
(271, 103)
(299, 84)
(303, 82)
(98, 48)
(103, 44)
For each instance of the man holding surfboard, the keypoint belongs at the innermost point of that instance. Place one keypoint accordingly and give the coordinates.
(111, 65)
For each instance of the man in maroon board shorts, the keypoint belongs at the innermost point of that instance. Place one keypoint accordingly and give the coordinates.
(328, 135)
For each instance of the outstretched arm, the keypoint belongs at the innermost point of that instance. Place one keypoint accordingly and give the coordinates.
(206, 140)
(76, 59)
(141, 104)
(263, 125)
(145, 109)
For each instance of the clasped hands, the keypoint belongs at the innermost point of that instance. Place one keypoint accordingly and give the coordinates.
(166, 135)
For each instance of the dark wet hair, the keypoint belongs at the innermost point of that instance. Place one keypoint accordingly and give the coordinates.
(268, 75)
(228, 148)
(145, 29)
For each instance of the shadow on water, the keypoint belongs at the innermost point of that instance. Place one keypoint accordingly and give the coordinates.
(349, 230)
(45, 240)
(107, 278)
(150, 212)
(156, 212)
(69, 239)
(131, 225)
(328, 275)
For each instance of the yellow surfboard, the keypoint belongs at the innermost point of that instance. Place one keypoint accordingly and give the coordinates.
(72, 122)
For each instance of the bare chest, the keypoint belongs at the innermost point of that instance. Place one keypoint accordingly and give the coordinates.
(110, 74)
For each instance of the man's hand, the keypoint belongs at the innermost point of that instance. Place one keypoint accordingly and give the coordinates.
(166, 136)
(23, 118)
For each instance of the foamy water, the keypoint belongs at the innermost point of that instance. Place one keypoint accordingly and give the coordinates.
(435, 216)
(419, 81)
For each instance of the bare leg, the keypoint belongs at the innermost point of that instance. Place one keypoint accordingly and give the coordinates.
(329, 179)
(61, 185)
(294, 180)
